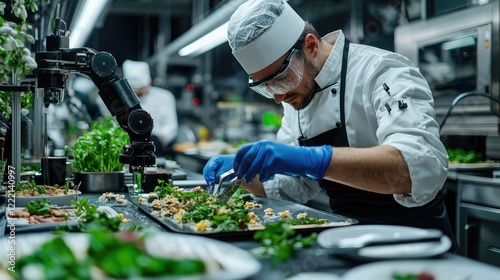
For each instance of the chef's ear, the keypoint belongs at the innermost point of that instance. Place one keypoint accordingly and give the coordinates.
(311, 45)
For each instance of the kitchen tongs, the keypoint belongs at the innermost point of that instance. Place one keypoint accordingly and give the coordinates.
(228, 185)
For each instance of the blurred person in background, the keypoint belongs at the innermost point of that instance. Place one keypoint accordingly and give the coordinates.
(158, 102)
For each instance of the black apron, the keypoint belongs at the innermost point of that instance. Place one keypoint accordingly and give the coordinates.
(368, 207)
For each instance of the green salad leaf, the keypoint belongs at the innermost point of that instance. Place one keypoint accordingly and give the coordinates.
(56, 261)
(120, 258)
(115, 256)
(40, 206)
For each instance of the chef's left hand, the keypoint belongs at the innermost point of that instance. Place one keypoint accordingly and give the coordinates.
(266, 158)
(216, 166)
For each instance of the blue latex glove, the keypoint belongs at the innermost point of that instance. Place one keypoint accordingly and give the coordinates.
(216, 166)
(266, 158)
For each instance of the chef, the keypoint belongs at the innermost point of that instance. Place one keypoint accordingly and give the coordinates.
(358, 121)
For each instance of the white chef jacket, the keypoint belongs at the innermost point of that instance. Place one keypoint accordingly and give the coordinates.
(160, 103)
(413, 131)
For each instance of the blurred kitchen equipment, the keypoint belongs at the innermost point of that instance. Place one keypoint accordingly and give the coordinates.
(100, 181)
(54, 170)
(458, 52)
(26, 136)
(478, 216)
(150, 179)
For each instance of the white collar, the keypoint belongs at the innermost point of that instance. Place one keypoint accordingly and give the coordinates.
(330, 72)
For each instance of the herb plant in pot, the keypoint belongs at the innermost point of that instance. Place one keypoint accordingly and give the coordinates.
(96, 155)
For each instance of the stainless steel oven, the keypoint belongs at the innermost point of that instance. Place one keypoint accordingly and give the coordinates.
(459, 52)
(478, 217)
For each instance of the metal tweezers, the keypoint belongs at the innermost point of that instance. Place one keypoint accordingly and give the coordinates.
(228, 185)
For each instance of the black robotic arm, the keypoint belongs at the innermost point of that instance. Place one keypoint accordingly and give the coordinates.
(54, 67)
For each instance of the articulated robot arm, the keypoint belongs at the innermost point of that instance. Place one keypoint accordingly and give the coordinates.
(54, 66)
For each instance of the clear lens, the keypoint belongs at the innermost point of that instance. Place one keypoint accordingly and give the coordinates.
(286, 81)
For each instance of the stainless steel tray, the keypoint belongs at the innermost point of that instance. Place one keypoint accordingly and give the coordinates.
(278, 205)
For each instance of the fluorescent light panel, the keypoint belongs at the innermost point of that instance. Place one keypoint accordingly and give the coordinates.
(85, 22)
(207, 42)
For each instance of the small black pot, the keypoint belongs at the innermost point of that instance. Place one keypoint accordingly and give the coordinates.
(100, 181)
(150, 179)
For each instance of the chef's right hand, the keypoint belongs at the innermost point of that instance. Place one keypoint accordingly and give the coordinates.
(216, 166)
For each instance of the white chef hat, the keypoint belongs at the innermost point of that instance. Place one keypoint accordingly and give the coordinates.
(137, 73)
(261, 31)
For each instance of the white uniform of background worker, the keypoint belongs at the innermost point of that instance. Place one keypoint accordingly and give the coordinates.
(158, 102)
(373, 145)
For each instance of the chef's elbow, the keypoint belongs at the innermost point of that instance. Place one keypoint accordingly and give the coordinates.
(426, 183)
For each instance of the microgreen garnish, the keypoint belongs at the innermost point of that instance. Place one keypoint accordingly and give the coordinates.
(279, 241)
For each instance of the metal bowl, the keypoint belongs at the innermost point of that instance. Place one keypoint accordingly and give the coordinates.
(100, 181)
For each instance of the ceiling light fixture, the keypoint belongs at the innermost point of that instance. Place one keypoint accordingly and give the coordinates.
(85, 20)
(217, 19)
(207, 42)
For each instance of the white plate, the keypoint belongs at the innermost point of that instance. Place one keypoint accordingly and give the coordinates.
(440, 269)
(62, 200)
(236, 263)
(330, 237)
(22, 224)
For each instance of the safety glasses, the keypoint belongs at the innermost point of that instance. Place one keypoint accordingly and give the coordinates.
(285, 79)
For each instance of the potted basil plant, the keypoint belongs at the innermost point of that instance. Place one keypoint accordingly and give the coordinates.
(96, 155)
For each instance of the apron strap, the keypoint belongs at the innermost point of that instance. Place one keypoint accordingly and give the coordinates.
(343, 74)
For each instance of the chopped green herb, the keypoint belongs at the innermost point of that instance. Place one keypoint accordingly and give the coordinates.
(279, 241)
